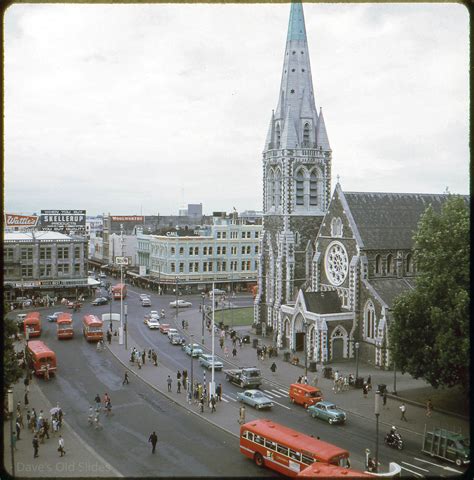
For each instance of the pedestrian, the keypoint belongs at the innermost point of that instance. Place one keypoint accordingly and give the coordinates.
(125, 379)
(143, 357)
(403, 409)
(109, 337)
(221, 343)
(219, 392)
(19, 418)
(139, 362)
(201, 402)
(429, 407)
(61, 450)
(182, 324)
(97, 401)
(26, 401)
(46, 428)
(18, 429)
(300, 378)
(178, 383)
(234, 352)
(369, 382)
(226, 352)
(178, 375)
(241, 415)
(365, 390)
(384, 399)
(185, 378)
(153, 440)
(273, 368)
(55, 424)
(168, 381)
(305, 380)
(35, 443)
(240, 342)
(26, 382)
(149, 354)
(213, 404)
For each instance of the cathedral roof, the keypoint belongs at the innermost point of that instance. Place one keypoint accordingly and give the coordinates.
(389, 220)
(323, 302)
(389, 288)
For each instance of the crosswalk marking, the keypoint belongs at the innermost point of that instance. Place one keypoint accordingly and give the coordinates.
(415, 466)
(278, 393)
(283, 391)
(224, 400)
(271, 395)
(228, 396)
(411, 471)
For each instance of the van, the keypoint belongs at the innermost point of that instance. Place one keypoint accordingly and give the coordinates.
(304, 394)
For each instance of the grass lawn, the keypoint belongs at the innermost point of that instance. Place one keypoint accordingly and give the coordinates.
(240, 316)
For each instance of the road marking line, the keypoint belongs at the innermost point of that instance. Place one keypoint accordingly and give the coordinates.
(228, 396)
(283, 391)
(414, 466)
(279, 394)
(270, 394)
(437, 465)
(224, 400)
(414, 473)
(281, 405)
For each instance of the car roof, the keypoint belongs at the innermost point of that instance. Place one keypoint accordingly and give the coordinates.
(252, 391)
(326, 403)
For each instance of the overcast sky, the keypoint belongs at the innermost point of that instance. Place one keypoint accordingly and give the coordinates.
(144, 108)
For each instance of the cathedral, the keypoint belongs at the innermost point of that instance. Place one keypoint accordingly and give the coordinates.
(330, 266)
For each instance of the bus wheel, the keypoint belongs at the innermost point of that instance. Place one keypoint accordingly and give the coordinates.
(258, 459)
(458, 462)
(305, 405)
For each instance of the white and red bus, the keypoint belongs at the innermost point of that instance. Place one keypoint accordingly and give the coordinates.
(64, 326)
(32, 324)
(92, 328)
(285, 450)
(119, 291)
(40, 358)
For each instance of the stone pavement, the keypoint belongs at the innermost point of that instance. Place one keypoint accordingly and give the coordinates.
(352, 401)
(80, 459)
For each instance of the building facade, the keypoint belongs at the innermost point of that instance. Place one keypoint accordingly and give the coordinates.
(296, 180)
(44, 263)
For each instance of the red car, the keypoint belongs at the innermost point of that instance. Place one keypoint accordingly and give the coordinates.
(164, 327)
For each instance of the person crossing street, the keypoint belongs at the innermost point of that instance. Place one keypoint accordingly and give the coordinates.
(153, 439)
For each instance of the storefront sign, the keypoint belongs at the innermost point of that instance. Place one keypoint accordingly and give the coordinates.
(121, 260)
(73, 221)
(128, 218)
(12, 220)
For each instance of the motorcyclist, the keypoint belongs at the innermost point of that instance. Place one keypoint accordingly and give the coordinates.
(392, 435)
(163, 313)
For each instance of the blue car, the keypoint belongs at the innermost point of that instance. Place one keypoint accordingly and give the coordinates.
(327, 411)
(255, 398)
(206, 361)
(196, 350)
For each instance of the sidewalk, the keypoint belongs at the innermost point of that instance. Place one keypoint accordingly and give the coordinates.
(80, 459)
(351, 401)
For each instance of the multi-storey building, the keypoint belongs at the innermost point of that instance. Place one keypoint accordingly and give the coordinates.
(225, 252)
(44, 263)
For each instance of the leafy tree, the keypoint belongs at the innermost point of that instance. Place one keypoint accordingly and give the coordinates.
(11, 370)
(430, 332)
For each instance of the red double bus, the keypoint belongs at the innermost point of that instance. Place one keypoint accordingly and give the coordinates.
(286, 450)
(40, 358)
(119, 291)
(64, 326)
(32, 324)
(92, 328)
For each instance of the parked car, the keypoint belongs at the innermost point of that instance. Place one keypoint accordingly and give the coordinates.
(181, 304)
(217, 291)
(53, 317)
(164, 327)
(255, 398)
(153, 323)
(194, 348)
(171, 331)
(327, 411)
(100, 301)
(206, 361)
(146, 302)
(176, 339)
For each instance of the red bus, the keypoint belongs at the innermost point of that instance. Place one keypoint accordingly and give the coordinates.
(32, 324)
(40, 358)
(92, 328)
(64, 326)
(119, 291)
(285, 450)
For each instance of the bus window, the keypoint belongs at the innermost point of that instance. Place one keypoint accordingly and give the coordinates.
(283, 450)
(271, 445)
(295, 455)
(259, 439)
(307, 460)
(250, 435)
(343, 462)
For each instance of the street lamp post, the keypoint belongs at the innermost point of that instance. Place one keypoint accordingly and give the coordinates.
(121, 287)
(176, 297)
(10, 411)
(126, 312)
(212, 389)
(357, 359)
(203, 316)
(377, 414)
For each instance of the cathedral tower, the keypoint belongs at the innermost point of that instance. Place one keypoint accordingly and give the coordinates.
(296, 180)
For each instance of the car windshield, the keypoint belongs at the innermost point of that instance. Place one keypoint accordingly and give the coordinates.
(253, 373)
(314, 394)
(257, 395)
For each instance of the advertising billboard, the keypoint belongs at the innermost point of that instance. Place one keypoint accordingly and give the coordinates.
(20, 221)
(64, 221)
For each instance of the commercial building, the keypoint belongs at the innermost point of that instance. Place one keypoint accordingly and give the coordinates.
(44, 264)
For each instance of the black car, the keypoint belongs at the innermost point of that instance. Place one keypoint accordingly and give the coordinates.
(100, 301)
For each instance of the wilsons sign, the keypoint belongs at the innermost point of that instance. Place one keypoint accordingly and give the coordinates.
(12, 220)
(73, 221)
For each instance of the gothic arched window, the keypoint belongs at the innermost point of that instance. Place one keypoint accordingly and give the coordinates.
(306, 135)
(369, 320)
(278, 135)
(313, 189)
(409, 263)
(378, 264)
(277, 189)
(270, 185)
(389, 263)
(299, 184)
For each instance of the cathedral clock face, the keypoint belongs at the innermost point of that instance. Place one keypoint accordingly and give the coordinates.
(336, 263)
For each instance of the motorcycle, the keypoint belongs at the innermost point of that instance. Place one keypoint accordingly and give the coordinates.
(394, 440)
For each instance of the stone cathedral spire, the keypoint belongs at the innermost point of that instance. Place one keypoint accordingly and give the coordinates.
(296, 179)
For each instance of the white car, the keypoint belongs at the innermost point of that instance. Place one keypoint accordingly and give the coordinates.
(153, 323)
(217, 291)
(146, 302)
(143, 296)
(172, 331)
(181, 304)
(154, 314)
